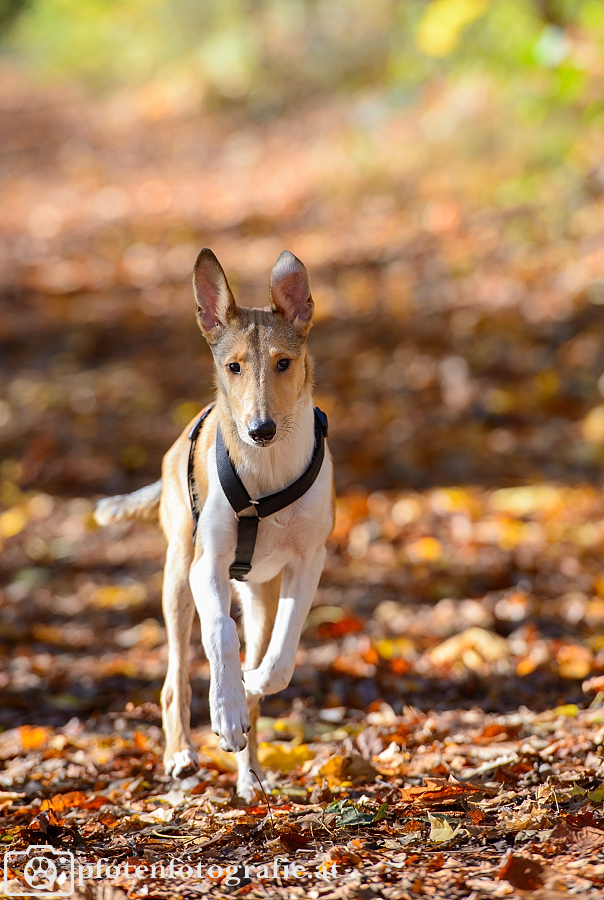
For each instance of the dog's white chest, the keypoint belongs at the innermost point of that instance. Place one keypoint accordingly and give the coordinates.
(276, 544)
(282, 537)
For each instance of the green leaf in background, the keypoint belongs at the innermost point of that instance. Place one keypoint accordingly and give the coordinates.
(351, 814)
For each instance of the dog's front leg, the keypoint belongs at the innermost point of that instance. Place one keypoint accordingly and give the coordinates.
(299, 585)
(211, 589)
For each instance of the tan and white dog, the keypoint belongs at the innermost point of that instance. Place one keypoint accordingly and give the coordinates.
(264, 411)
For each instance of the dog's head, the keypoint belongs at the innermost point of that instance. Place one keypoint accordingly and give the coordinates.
(262, 367)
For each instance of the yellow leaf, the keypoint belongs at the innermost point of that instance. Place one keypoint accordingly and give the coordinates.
(530, 498)
(593, 425)
(394, 648)
(224, 762)
(12, 522)
(441, 25)
(340, 771)
(484, 645)
(440, 829)
(184, 411)
(284, 757)
(426, 549)
(511, 533)
(452, 500)
(547, 383)
(120, 596)
(500, 401)
(569, 710)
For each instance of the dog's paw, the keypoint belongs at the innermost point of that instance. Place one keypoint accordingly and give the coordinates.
(255, 685)
(258, 683)
(230, 717)
(182, 764)
(249, 789)
(232, 732)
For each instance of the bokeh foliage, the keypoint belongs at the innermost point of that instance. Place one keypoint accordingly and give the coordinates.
(274, 52)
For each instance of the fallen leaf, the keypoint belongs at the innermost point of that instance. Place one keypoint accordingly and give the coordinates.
(33, 736)
(61, 802)
(434, 792)
(284, 757)
(593, 684)
(351, 768)
(349, 814)
(597, 795)
(441, 830)
(223, 761)
(160, 814)
(487, 645)
(522, 873)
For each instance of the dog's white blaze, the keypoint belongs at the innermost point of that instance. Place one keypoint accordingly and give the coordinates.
(265, 470)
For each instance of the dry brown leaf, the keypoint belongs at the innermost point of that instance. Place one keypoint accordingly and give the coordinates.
(341, 769)
(521, 872)
(593, 684)
(436, 792)
(485, 644)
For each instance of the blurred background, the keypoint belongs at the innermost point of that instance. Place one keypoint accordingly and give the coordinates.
(438, 166)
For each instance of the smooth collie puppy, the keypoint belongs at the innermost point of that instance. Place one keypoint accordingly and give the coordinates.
(246, 501)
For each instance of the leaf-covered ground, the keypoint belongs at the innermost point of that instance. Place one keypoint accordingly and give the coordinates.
(443, 731)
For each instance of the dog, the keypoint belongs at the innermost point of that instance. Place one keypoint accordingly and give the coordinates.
(261, 439)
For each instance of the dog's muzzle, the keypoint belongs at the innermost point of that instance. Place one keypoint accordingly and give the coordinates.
(262, 433)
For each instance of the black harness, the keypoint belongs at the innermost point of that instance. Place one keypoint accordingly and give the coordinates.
(238, 497)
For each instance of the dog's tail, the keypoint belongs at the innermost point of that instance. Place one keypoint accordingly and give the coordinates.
(142, 504)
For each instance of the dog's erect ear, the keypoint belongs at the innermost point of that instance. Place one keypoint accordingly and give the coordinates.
(215, 302)
(290, 291)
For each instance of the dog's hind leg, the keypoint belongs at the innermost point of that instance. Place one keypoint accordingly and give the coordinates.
(259, 604)
(180, 758)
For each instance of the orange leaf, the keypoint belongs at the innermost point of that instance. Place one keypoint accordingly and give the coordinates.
(61, 802)
(436, 793)
(95, 802)
(33, 736)
(140, 740)
(347, 625)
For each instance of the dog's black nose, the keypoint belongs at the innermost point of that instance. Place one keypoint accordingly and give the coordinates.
(262, 432)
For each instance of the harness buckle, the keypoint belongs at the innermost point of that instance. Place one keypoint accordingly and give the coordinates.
(238, 570)
(253, 505)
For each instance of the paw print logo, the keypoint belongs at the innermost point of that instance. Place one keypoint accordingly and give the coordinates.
(39, 871)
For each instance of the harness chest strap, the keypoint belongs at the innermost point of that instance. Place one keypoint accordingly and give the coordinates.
(238, 497)
(193, 495)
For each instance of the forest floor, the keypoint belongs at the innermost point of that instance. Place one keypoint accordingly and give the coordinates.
(443, 733)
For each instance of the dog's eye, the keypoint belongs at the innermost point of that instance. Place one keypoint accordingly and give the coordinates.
(283, 364)
(235, 368)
